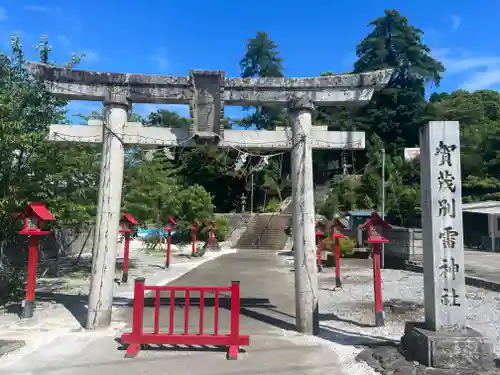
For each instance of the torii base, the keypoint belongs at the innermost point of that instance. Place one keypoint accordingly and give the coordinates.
(457, 350)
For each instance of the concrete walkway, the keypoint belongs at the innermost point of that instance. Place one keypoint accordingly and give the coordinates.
(267, 314)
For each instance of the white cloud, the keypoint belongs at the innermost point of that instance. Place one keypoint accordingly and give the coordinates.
(476, 72)
(463, 64)
(160, 59)
(473, 71)
(482, 80)
(455, 22)
(3, 14)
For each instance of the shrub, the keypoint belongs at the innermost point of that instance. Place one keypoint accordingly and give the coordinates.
(272, 206)
(346, 245)
(154, 242)
(222, 228)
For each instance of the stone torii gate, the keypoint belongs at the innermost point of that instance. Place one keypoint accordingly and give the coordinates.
(206, 93)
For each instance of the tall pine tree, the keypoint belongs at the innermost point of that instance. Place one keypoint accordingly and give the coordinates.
(396, 112)
(262, 60)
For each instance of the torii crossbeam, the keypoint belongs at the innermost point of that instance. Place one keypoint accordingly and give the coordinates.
(206, 93)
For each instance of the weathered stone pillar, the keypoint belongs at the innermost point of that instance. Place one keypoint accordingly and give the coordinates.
(444, 340)
(303, 232)
(108, 212)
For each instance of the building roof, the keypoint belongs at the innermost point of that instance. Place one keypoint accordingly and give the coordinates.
(40, 210)
(486, 207)
(127, 216)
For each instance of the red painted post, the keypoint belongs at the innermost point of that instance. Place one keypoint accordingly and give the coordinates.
(211, 234)
(127, 223)
(235, 321)
(375, 225)
(169, 243)
(194, 228)
(137, 317)
(126, 252)
(336, 235)
(169, 227)
(377, 286)
(338, 282)
(34, 218)
(319, 235)
(29, 303)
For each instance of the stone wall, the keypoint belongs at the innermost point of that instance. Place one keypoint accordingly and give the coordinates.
(66, 242)
(405, 244)
(238, 223)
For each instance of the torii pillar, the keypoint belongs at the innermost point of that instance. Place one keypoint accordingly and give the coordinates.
(108, 211)
(206, 93)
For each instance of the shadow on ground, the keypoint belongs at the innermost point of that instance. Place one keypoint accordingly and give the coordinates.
(73, 267)
(75, 304)
(179, 348)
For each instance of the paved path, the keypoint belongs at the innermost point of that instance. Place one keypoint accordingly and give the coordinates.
(267, 315)
(482, 269)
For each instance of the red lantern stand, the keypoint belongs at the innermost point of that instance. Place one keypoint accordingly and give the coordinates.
(127, 224)
(194, 229)
(319, 236)
(34, 217)
(376, 225)
(169, 227)
(336, 234)
(213, 225)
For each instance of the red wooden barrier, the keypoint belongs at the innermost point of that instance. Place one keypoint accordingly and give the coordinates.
(137, 337)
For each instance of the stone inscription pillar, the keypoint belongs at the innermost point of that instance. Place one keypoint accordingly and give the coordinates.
(444, 340)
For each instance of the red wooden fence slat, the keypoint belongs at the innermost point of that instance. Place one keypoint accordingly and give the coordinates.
(137, 337)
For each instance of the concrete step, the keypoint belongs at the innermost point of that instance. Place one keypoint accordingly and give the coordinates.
(268, 232)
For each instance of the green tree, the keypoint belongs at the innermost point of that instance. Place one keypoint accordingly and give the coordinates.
(262, 60)
(168, 119)
(32, 169)
(213, 169)
(397, 111)
(152, 193)
(479, 117)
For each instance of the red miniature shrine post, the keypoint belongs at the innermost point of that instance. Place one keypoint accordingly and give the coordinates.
(213, 224)
(34, 218)
(319, 236)
(336, 234)
(376, 225)
(127, 224)
(194, 229)
(169, 227)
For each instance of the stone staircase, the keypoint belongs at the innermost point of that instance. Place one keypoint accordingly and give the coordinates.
(265, 231)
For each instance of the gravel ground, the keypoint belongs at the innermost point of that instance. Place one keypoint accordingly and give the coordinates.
(61, 300)
(347, 315)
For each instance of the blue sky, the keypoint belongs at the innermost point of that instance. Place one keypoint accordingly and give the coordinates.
(170, 37)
